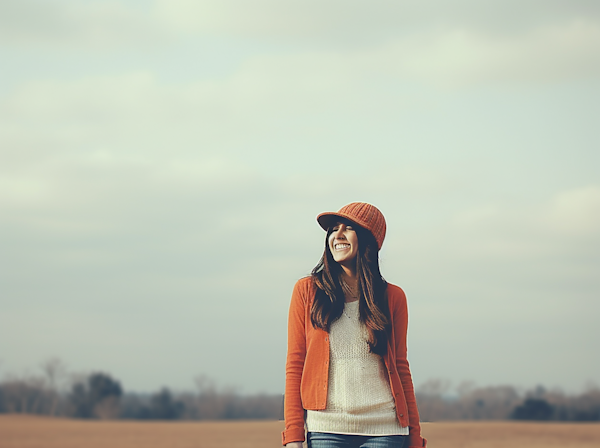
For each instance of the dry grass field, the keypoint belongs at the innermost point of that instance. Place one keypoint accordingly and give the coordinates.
(18, 431)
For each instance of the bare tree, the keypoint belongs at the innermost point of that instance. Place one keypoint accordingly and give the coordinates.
(55, 373)
(25, 395)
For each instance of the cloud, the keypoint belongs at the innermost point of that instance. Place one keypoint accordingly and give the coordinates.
(449, 45)
(571, 216)
(576, 213)
(457, 44)
(78, 25)
(356, 23)
(460, 57)
(520, 253)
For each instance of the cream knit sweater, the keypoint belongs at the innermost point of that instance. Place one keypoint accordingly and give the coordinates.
(359, 399)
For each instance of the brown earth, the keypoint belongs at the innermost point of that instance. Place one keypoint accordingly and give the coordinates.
(18, 431)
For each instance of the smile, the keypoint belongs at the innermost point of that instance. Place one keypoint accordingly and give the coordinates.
(341, 246)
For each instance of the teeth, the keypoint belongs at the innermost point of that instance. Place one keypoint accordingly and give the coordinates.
(341, 246)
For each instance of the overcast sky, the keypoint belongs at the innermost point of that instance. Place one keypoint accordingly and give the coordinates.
(162, 164)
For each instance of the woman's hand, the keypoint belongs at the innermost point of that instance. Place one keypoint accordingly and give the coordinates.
(294, 445)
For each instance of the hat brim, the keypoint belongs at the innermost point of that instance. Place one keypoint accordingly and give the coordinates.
(328, 219)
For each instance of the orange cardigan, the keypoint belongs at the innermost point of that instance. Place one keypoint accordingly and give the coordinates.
(307, 367)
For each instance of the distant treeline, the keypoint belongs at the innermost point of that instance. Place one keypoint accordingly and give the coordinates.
(100, 396)
(505, 403)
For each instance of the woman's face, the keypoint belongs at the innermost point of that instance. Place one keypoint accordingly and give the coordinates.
(343, 243)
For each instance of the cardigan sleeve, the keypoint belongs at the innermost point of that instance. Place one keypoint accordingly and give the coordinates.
(296, 355)
(400, 319)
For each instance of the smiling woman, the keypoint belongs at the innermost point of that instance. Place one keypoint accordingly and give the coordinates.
(348, 383)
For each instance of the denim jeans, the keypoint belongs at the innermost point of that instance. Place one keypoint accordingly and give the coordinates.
(329, 440)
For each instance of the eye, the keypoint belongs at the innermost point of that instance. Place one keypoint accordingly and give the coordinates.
(349, 227)
(335, 228)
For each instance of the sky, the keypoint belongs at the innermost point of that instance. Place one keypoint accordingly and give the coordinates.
(162, 164)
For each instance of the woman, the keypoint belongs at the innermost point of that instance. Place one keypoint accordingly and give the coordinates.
(347, 376)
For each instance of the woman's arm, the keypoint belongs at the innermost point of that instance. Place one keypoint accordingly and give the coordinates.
(296, 354)
(400, 311)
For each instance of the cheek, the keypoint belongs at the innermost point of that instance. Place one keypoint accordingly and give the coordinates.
(330, 244)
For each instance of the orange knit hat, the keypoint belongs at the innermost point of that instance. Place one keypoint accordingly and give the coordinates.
(361, 213)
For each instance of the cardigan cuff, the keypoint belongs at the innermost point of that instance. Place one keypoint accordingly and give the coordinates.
(417, 442)
(292, 435)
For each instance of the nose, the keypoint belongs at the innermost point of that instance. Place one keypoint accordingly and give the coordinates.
(339, 233)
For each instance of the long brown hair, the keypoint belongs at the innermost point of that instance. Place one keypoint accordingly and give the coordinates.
(328, 305)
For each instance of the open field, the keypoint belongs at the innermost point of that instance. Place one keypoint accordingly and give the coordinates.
(18, 431)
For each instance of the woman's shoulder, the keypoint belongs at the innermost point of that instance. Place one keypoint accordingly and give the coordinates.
(304, 287)
(395, 294)
(304, 283)
(395, 290)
